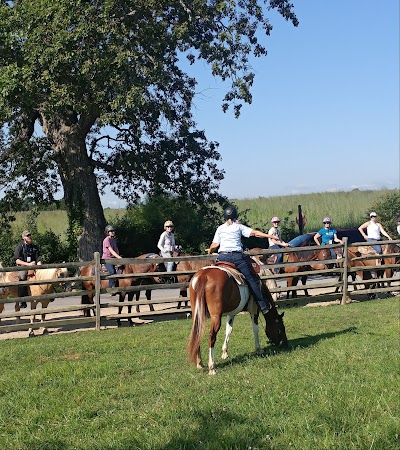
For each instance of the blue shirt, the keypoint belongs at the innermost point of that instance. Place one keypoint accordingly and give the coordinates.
(327, 234)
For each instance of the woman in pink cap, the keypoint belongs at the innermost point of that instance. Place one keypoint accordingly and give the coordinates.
(278, 243)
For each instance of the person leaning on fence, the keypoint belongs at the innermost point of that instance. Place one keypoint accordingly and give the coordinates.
(278, 243)
(328, 235)
(26, 254)
(374, 231)
(110, 251)
(228, 239)
(166, 244)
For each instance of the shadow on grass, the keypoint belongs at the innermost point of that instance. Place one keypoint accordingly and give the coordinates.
(305, 342)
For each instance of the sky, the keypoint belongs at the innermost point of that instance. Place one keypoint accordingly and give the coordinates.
(325, 110)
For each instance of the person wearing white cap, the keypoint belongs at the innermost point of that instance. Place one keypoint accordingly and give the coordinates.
(278, 243)
(374, 231)
(166, 244)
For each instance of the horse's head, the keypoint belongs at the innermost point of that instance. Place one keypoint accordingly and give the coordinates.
(275, 328)
(62, 272)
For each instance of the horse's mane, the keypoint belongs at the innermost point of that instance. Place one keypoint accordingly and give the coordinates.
(47, 274)
(309, 255)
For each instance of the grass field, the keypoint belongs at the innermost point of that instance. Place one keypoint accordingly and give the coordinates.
(348, 209)
(336, 387)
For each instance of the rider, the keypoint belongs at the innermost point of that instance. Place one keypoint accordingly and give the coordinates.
(110, 251)
(166, 243)
(228, 239)
(272, 244)
(374, 231)
(328, 236)
(26, 254)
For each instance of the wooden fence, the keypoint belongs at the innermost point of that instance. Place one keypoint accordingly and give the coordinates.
(322, 281)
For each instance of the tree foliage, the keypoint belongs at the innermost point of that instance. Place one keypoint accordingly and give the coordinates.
(388, 210)
(93, 94)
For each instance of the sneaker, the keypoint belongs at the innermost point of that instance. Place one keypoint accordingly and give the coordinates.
(23, 305)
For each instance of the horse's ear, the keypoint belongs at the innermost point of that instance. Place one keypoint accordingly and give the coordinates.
(282, 314)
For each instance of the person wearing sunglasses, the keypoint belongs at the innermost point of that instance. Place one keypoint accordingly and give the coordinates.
(327, 235)
(26, 254)
(374, 231)
(278, 242)
(166, 244)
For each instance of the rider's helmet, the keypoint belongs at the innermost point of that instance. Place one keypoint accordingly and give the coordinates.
(327, 220)
(230, 213)
(168, 223)
(109, 228)
(275, 219)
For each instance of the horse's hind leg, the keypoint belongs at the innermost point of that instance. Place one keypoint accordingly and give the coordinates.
(214, 328)
(121, 300)
(130, 298)
(32, 320)
(229, 327)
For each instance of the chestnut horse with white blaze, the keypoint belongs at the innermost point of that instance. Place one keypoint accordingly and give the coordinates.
(215, 291)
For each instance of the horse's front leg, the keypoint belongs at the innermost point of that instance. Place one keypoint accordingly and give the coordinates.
(121, 300)
(32, 319)
(130, 299)
(254, 314)
(214, 328)
(148, 298)
(228, 332)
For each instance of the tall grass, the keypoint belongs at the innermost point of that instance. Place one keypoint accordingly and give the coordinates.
(347, 209)
(336, 387)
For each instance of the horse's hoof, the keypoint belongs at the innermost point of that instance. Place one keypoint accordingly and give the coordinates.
(212, 372)
(119, 324)
(131, 324)
(224, 355)
(45, 331)
(31, 334)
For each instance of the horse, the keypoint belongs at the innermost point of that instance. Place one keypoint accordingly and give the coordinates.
(150, 266)
(214, 291)
(312, 256)
(356, 252)
(34, 290)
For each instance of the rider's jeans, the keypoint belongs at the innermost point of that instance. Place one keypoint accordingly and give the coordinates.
(243, 264)
(377, 248)
(111, 271)
(169, 265)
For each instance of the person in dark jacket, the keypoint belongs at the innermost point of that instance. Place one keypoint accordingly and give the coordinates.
(26, 254)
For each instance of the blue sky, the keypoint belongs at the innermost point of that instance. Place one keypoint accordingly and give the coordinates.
(325, 111)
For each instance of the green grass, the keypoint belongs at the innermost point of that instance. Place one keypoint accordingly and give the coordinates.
(132, 388)
(348, 209)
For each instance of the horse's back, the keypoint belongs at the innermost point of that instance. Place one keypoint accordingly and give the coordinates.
(218, 289)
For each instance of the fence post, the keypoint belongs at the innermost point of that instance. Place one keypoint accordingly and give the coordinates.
(97, 284)
(345, 273)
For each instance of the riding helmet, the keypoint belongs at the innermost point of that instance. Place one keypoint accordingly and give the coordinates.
(230, 213)
(109, 228)
(327, 219)
(275, 219)
(168, 223)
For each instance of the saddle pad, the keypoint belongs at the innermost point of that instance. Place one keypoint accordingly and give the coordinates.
(365, 250)
(234, 273)
(152, 255)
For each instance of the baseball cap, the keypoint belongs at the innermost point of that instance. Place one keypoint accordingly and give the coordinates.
(26, 233)
(373, 214)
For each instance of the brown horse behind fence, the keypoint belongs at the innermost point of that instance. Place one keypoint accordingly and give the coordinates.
(313, 257)
(149, 267)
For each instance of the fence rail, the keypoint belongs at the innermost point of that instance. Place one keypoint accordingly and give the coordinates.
(101, 308)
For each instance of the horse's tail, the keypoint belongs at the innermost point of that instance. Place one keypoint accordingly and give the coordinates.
(198, 299)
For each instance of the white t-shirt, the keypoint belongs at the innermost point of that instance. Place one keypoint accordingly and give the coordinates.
(374, 231)
(228, 236)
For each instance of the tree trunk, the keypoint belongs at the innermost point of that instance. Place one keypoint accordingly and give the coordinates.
(82, 199)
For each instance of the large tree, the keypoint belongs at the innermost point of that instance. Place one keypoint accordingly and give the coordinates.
(93, 93)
